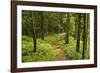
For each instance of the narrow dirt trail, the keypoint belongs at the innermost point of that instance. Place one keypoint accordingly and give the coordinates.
(60, 52)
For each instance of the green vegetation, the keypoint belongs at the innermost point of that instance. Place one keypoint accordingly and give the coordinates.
(55, 36)
(46, 51)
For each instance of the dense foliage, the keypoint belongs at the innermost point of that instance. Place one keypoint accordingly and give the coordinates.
(51, 36)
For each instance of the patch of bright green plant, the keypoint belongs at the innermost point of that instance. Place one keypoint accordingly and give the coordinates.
(70, 49)
(44, 51)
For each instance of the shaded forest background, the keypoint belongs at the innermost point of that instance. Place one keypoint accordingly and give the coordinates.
(55, 36)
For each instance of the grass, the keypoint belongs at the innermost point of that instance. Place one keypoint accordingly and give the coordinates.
(46, 52)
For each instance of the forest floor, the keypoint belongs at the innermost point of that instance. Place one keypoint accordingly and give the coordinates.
(52, 48)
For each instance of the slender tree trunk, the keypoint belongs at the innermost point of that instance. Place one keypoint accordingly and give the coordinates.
(75, 27)
(84, 37)
(70, 31)
(34, 38)
(42, 25)
(87, 17)
(60, 22)
(67, 29)
(78, 33)
(34, 34)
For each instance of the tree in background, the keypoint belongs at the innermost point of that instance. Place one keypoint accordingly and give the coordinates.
(67, 28)
(78, 33)
(87, 29)
(61, 22)
(76, 21)
(42, 24)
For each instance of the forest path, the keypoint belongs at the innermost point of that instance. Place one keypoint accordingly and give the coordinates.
(60, 52)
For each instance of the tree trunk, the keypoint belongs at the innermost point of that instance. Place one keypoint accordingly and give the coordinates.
(78, 34)
(87, 19)
(84, 37)
(67, 29)
(61, 23)
(75, 27)
(42, 26)
(34, 34)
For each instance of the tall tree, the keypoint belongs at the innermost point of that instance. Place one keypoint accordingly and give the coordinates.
(75, 26)
(84, 37)
(42, 24)
(61, 22)
(67, 28)
(87, 24)
(78, 33)
(34, 33)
